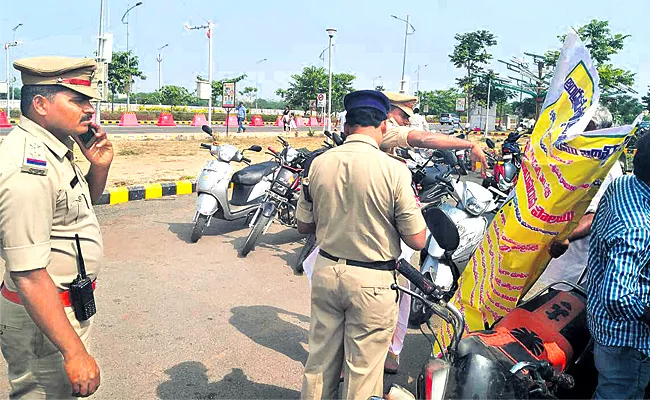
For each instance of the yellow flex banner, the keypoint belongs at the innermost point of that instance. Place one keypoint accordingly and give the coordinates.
(561, 171)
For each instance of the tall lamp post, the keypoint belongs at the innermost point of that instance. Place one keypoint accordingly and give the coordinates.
(11, 91)
(159, 59)
(330, 33)
(257, 78)
(417, 87)
(406, 35)
(7, 46)
(209, 28)
(128, 56)
(374, 86)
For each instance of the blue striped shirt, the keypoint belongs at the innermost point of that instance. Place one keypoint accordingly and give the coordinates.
(619, 266)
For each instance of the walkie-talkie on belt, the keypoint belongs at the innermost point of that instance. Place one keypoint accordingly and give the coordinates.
(81, 290)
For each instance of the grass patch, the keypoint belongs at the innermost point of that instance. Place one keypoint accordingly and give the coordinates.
(128, 152)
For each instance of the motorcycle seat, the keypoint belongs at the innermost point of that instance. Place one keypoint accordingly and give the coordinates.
(253, 174)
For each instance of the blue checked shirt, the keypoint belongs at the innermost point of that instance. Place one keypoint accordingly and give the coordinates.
(619, 266)
(241, 112)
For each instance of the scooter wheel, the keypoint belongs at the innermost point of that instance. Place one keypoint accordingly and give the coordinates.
(199, 226)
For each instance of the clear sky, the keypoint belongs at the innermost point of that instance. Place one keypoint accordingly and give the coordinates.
(291, 34)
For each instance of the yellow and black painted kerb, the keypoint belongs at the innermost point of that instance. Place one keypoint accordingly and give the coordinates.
(144, 192)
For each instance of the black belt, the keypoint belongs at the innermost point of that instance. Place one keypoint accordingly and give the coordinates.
(378, 265)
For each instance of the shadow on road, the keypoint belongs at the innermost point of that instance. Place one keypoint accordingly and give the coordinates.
(189, 380)
(183, 230)
(274, 328)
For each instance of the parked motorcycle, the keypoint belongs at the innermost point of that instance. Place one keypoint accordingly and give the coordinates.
(248, 186)
(472, 203)
(281, 197)
(530, 353)
(506, 170)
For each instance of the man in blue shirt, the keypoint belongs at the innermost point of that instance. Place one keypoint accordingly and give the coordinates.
(241, 117)
(618, 311)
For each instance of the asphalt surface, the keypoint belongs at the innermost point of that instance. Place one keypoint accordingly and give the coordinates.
(178, 320)
(152, 129)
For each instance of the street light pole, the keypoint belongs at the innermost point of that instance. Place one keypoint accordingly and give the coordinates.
(373, 82)
(209, 28)
(417, 87)
(7, 46)
(11, 91)
(100, 55)
(159, 59)
(257, 79)
(128, 56)
(330, 33)
(406, 35)
(487, 105)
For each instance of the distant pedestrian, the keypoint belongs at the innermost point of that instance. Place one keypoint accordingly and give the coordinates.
(241, 117)
(286, 119)
(293, 124)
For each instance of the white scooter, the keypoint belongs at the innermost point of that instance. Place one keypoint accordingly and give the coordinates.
(473, 201)
(249, 185)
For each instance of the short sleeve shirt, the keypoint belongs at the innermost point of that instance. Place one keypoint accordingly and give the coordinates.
(40, 214)
(396, 136)
(362, 202)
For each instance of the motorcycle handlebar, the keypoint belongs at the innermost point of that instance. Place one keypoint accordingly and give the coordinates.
(284, 142)
(415, 277)
(205, 146)
(246, 160)
(272, 150)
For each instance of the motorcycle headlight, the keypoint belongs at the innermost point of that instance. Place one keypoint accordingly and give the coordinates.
(226, 153)
(474, 206)
(291, 154)
(503, 186)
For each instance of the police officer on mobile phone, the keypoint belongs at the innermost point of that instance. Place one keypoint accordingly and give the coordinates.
(45, 201)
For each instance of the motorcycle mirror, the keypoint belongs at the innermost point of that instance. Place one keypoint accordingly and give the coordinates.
(207, 129)
(490, 143)
(442, 228)
(256, 148)
(337, 139)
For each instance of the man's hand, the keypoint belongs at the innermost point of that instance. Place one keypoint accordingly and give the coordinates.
(479, 155)
(83, 373)
(557, 249)
(100, 154)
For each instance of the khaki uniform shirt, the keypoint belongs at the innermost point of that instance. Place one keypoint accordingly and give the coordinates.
(40, 214)
(396, 136)
(362, 202)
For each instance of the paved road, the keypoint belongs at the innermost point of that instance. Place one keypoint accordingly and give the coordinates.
(152, 129)
(179, 320)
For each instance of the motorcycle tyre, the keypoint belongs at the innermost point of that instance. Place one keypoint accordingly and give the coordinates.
(306, 250)
(199, 226)
(254, 234)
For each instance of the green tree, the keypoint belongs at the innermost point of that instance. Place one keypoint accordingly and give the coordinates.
(526, 108)
(439, 101)
(602, 45)
(471, 53)
(174, 95)
(313, 80)
(121, 73)
(248, 93)
(624, 108)
(498, 95)
(379, 88)
(646, 100)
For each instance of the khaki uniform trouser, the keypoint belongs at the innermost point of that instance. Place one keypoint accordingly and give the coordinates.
(35, 364)
(353, 316)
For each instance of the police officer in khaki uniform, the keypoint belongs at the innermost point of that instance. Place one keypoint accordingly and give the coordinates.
(45, 200)
(361, 205)
(400, 134)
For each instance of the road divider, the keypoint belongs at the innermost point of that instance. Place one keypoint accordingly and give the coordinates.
(125, 194)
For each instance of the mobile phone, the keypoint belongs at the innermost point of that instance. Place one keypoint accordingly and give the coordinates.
(88, 138)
